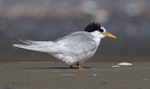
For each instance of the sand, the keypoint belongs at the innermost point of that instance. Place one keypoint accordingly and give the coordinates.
(55, 75)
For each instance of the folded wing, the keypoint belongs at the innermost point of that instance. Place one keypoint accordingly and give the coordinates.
(41, 46)
(78, 43)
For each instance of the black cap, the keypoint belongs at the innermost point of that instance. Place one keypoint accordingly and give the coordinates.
(93, 27)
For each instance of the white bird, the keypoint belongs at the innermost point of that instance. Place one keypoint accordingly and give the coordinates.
(74, 48)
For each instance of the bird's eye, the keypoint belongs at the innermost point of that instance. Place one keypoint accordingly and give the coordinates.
(101, 30)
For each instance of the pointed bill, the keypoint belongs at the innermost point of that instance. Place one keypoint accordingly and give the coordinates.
(109, 35)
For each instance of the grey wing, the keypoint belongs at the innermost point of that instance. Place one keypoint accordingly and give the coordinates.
(30, 42)
(41, 46)
(78, 43)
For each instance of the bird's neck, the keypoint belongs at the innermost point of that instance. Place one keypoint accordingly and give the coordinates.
(97, 36)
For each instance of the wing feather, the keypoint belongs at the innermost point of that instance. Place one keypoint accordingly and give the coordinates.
(78, 42)
(30, 42)
(41, 46)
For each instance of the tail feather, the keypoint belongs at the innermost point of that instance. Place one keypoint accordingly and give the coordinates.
(30, 42)
(32, 47)
(41, 46)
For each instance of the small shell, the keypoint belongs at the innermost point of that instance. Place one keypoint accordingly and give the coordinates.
(124, 64)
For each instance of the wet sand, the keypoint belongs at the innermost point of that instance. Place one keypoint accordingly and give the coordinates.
(55, 75)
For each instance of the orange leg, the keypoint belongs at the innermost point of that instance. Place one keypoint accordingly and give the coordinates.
(71, 67)
(79, 67)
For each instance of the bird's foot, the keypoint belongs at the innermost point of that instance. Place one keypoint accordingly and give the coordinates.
(81, 68)
(71, 67)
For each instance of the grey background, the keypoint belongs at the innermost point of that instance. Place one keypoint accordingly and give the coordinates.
(129, 20)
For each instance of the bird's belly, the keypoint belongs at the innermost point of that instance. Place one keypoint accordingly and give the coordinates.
(65, 58)
(72, 59)
(83, 57)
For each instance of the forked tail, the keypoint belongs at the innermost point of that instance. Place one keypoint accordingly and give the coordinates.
(41, 46)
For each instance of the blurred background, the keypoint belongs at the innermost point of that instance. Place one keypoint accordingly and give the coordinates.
(44, 20)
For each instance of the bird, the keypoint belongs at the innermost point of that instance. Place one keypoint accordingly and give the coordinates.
(74, 48)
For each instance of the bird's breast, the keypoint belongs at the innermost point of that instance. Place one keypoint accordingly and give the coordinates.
(97, 40)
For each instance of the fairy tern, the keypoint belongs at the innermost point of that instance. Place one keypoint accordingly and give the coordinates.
(74, 48)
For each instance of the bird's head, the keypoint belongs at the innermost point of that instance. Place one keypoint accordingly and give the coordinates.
(98, 31)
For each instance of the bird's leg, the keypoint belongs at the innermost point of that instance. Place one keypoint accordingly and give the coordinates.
(79, 67)
(71, 67)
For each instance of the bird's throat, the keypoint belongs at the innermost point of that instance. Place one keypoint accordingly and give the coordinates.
(97, 40)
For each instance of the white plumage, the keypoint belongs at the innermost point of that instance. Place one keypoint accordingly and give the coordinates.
(74, 48)
(77, 46)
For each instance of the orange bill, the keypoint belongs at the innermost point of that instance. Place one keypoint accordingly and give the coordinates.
(109, 35)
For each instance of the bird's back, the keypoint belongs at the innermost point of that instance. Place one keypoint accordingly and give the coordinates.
(76, 46)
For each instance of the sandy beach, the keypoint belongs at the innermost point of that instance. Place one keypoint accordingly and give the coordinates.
(55, 75)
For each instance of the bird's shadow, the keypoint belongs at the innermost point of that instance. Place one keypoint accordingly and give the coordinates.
(55, 68)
